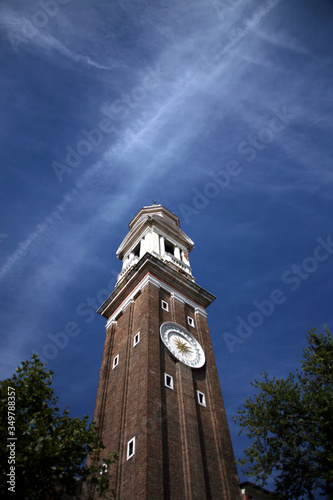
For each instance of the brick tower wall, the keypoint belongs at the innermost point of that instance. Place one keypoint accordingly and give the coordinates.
(183, 449)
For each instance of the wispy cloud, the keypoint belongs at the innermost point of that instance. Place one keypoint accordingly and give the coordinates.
(28, 36)
(174, 116)
(50, 43)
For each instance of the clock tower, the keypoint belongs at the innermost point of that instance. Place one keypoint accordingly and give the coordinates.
(159, 403)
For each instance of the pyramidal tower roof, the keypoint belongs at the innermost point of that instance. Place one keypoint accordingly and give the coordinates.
(154, 210)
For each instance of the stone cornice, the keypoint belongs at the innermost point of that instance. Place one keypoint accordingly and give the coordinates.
(166, 277)
(159, 284)
(154, 209)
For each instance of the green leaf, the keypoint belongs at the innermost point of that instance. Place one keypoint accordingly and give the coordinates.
(290, 424)
(53, 446)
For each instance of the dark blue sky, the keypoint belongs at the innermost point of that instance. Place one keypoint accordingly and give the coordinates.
(219, 110)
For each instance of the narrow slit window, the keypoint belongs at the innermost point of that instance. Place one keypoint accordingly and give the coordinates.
(131, 448)
(201, 398)
(190, 321)
(136, 339)
(165, 305)
(168, 381)
(115, 361)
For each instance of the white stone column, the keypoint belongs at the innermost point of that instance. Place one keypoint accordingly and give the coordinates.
(177, 253)
(154, 245)
(162, 246)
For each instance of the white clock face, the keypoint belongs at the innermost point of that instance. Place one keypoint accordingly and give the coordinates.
(182, 344)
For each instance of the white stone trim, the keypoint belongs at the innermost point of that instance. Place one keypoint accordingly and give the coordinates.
(136, 336)
(130, 444)
(115, 362)
(202, 399)
(164, 305)
(109, 323)
(170, 386)
(190, 321)
(159, 284)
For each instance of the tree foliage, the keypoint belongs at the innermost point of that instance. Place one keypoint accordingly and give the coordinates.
(291, 426)
(50, 447)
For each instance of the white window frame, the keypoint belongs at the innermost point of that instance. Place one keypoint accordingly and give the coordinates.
(115, 361)
(130, 455)
(170, 386)
(201, 401)
(136, 336)
(190, 321)
(165, 305)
